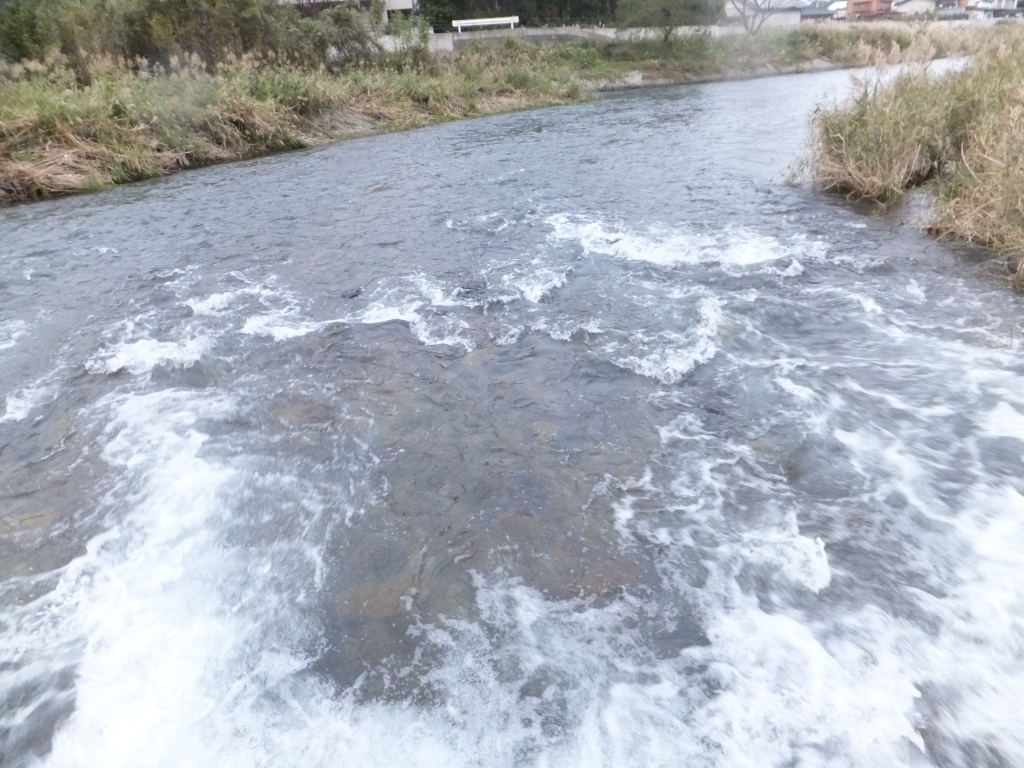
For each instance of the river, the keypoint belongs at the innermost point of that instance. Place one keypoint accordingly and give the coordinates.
(572, 437)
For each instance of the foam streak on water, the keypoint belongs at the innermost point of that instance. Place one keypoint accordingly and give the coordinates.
(10, 332)
(732, 248)
(185, 649)
(21, 403)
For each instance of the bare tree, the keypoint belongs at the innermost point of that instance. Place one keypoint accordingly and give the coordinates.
(667, 15)
(753, 13)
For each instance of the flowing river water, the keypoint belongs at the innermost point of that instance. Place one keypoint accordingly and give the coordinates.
(572, 437)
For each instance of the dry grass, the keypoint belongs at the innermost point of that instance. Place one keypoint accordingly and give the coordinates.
(850, 45)
(133, 120)
(962, 133)
(57, 137)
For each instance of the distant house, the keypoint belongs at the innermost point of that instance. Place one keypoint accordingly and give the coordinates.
(988, 9)
(867, 9)
(819, 10)
(914, 7)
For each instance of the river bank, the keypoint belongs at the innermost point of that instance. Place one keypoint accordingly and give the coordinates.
(959, 135)
(89, 123)
(567, 437)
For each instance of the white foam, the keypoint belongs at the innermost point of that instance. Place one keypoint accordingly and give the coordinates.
(22, 402)
(800, 559)
(381, 312)
(141, 598)
(179, 661)
(444, 331)
(914, 291)
(10, 332)
(280, 326)
(143, 355)
(798, 391)
(786, 688)
(675, 355)
(176, 670)
(631, 489)
(923, 412)
(438, 295)
(982, 640)
(217, 303)
(869, 304)
(181, 643)
(565, 330)
(188, 649)
(789, 696)
(174, 673)
(972, 658)
(428, 329)
(510, 336)
(795, 268)
(537, 284)
(1004, 421)
(682, 245)
(574, 686)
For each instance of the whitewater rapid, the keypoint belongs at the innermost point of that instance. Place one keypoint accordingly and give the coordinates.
(612, 452)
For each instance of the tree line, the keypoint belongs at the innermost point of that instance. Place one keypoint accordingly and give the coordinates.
(310, 33)
(609, 12)
(214, 30)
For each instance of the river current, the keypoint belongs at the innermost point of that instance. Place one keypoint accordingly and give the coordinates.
(572, 437)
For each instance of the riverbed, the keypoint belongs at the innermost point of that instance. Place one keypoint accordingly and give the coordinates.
(572, 437)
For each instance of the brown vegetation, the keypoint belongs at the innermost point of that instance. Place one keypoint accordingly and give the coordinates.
(57, 136)
(92, 121)
(961, 133)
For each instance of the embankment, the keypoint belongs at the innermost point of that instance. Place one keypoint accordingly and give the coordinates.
(90, 121)
(959, 134)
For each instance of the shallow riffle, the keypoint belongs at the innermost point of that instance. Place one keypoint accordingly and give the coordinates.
(570, 437)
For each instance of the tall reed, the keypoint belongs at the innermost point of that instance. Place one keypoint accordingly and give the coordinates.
(87, 121)
(133, 121)
(960, 133)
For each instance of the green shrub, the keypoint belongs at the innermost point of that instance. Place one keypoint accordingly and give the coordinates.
(25, 33)
(152, 31)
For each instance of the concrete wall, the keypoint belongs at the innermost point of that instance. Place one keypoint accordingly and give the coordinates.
(449, 41)
(912, 7)
(782, 17)
(445, 42)
(787, 18)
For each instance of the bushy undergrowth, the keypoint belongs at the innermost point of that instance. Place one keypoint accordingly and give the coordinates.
(70, 123)
(214, 30)
(961, 132)
(59, 136)
(699, 55)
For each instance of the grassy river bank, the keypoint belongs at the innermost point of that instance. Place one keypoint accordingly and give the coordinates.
(90, 120)
(959, 135)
